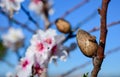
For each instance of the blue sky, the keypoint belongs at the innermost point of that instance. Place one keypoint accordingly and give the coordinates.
(110, 66)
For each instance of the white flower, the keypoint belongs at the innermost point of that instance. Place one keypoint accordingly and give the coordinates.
(10, 6)
(44, 44)
(25, 67)
(10, 74)
(41, 44)
(38, 7)
(59, 38)
(59, 52)
(13, 39)
(64, 55)
(43, 40)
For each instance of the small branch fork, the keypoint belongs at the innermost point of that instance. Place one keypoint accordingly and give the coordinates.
(98, 59)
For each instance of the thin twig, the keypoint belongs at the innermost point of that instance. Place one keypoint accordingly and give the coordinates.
(4, 28)
(91, 16)
(17, 22)
(98, 59)
(109, 52)
(114, 50)
(23, 25)
(74, 8)
(93, 30)
(29, 16)
(76, 68)
(8, 63)
(109, 25)
(18, 55)
(79, 24)
(71, 10)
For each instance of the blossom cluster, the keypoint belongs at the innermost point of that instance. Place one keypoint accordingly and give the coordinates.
(38, 6)
(10, 6)
(13, 39)
(45, 46)
(42, 8)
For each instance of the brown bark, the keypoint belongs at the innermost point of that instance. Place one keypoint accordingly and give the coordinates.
(98, 59)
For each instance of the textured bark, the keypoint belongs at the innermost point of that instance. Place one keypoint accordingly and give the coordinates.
(98, 59)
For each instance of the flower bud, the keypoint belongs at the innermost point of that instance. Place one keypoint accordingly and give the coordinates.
(87, 43)
(63, 25)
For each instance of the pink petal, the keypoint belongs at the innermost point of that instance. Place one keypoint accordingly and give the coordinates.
(36, 1)
(12, 0)
(48, 40)
(25, 63)
(54, 49)
(38, 69)
(40, 47)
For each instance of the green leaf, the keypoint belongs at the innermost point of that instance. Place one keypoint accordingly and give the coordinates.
(85, 75)
(2, 50)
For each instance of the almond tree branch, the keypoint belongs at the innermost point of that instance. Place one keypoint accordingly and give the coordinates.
(92, 30)
(114, 50)
(4, 28)
(88, 18)
(29, 16)
(8, 63)
(45, 11)
(71, 10)
(74, 8)
(75, 69)
(109, 25)
(17, 22)
(98, 59)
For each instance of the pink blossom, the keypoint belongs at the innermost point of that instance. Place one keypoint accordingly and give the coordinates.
(48, 40)
(25, 63)
(10, 6)
(38, 69)
(36, 1)
(12, 0)
(40, 47)
(54, 49)
(44, 44)
(13, 39)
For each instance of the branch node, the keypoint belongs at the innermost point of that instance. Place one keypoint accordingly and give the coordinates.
(99, 11)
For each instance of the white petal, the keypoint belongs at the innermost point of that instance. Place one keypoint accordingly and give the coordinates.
(59, 38)
(36, 7)
(64, 56)
(53, 57)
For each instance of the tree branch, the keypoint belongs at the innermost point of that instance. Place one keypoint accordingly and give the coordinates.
(76, 68)
(71, 10)
(98, 59)
(109, 52)
(74, 8)
(91, 16)
(109, 25)
(17, 22)
(8, 63)
(29, 16)
(3, 28)
(92, 30)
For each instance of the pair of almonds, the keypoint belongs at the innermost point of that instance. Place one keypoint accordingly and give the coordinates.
(86, 42)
